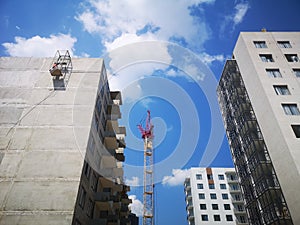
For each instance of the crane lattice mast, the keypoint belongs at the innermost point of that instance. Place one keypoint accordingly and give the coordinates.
(147, 135)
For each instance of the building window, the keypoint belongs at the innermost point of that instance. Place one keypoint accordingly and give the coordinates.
(229, 218)
(204, 217)
(281, 90)
(273, 73)
(234, 187)
(223, 186)
(77, 222)
(201, 196)
(260, 44)
(290, 109)
(284, 44)
(232, 177)
(237, 197)
(242, 219)
(292, 57)
(297, 72)
(221, 177)
(296, 129)
(199, 176)
(87, 169)
(203, 206)
(227, 206)
(210, 177)
(82, 194)
(106, 189)
(94, 182)
(200, 186)
(266, 57)
(211, 186)
(90, 208)
(240, 208)
(217, 218)
(103, 214)
(224, 196)
(215, 206)
(213, 196)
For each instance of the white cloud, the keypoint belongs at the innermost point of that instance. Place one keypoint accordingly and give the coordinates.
(40, 46)
(163, 19)
(208, 59)
(177, 178)
(234, 18)
(136, 206)
(134, 181)
(241, 10)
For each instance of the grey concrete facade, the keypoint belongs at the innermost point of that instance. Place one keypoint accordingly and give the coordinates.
(261, 60)
(45, 139)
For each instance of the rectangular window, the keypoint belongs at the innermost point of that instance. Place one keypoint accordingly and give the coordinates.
(213, 196)
(284, 44)
(103, 214)
(204, 217)
(199, 176)
(215, 206)
(260, 44)
(201, 196)
(87, 169)
(234, 187)
(240, 208)
(203, 206)
(211, 186)
(94, 182)
(210, 177)
(297, 72)
(281, 89)
(237, 197)
(217, 218)
(229, 218)
(200, 186)
(292, 57)
(222, 186)
(77, 222)
(82, 194)
(273, 73)
(290, 109)
(266, 57)
(221, 177)
(227, 206)
(106, 189)
(296, 129)
(90, 208)
(224, 196)
(242, 219)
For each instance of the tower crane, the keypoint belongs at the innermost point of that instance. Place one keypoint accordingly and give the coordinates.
(147, 135)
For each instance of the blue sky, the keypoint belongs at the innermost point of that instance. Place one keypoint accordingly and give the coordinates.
(166, 56)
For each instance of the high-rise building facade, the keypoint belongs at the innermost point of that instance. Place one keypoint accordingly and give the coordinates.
(213, 196)
(61, 148)
(259, 96)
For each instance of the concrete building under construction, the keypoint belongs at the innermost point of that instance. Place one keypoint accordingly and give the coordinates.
(61, 148)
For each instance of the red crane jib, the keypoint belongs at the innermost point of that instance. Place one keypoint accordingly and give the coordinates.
(147, 131)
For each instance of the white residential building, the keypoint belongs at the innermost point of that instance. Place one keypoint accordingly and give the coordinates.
(213, 196)
(259, 96)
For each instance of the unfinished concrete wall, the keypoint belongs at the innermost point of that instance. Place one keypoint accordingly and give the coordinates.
(43, 138)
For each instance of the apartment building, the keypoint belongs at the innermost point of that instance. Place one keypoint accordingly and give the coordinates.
(259, 96)
(213, 196)
(61, 148)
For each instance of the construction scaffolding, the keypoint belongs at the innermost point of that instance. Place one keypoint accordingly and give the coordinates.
(61, 69)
